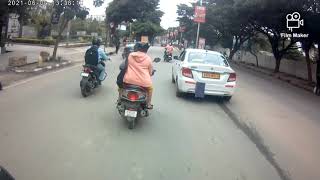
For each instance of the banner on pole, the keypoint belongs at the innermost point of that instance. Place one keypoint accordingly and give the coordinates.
(200, 14)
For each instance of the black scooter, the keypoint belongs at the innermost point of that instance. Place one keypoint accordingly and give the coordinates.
(132, 103)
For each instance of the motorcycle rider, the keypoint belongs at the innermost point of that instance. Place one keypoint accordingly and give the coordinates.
(169, 49)
(98, 62)
(139, 70)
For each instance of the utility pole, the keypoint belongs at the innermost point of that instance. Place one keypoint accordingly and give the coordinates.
(197, 40)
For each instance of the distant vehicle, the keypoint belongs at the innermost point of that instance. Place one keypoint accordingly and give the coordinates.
(163, 44)
(127, 50)
(210, 68)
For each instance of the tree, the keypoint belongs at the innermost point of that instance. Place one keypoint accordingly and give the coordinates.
(67, 13)
(144, 12)
(146, 28)
(5, 8)
(312, 27)
(268, 17)
(221, 26)
(40, 17)
(255, 44)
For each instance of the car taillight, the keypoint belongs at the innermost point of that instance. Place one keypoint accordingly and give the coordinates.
(187, 72)
(132, 96)
(232, 77)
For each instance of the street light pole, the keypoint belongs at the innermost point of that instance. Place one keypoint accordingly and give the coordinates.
(197, 40)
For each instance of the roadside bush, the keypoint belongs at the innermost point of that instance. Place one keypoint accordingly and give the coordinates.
(34, 41)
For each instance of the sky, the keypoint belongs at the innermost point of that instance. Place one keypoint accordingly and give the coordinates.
(169, 7)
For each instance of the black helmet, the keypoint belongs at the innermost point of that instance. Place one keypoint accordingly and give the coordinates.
(142, 47)
(97, 41)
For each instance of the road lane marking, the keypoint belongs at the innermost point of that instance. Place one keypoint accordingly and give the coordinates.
(40, 76)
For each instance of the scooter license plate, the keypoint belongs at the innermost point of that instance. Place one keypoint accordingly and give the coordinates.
(84, 74)
(129, 113)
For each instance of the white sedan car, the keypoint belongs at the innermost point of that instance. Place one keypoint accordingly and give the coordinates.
(208, 68)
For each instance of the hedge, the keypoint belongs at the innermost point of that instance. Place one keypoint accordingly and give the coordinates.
(34, 41)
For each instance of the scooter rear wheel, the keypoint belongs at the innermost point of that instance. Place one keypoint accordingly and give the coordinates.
(131, 122)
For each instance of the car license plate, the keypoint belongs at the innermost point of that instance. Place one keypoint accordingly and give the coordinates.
(211, 75)
(129, 113)
(85, 74)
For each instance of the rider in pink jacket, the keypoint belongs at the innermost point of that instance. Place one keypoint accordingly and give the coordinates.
(139, 72)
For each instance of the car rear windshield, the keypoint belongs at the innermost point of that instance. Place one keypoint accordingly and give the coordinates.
(207, 58)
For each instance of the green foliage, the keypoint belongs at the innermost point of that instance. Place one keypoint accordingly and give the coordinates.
(294, 54)
(220, 26)
(141, 28)
(39, 16)
(144, 15)
(128, 10)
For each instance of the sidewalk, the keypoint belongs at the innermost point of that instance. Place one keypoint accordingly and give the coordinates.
(298, 82)
(69, 57)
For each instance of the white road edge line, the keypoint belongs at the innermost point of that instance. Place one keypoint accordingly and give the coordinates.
(38, 77)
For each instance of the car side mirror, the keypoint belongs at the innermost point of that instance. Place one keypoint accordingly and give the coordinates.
(175, 57)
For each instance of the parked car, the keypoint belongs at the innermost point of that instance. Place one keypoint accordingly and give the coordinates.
(211, 68)
(127, 50)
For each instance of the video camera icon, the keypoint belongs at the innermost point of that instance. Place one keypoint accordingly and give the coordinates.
(293, 21)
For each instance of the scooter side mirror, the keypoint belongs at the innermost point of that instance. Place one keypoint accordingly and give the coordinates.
(156, 60)
(175, 57)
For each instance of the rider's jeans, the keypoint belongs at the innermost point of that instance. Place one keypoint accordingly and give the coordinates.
(101, 69)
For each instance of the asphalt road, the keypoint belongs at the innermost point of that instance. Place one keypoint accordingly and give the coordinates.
(49, 131)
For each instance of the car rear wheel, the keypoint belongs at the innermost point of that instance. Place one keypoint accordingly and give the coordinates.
(227, 98)
(131, 122)
(172, 78)
(178, 92)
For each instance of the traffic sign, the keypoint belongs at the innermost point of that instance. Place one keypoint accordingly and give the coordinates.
(200, 14)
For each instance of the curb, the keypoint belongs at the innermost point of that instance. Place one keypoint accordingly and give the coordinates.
(43, 68)
(310, 89)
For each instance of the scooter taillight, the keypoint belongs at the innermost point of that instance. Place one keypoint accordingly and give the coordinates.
(133, 96)
(87, 70)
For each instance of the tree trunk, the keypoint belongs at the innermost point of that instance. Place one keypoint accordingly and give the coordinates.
(232, 53)
(309, 66)
(257, 60)
(21, 29)
(318, 72)
(1, 39)
(277, 67)
(4, 36)
(54, 54)
(62, 27)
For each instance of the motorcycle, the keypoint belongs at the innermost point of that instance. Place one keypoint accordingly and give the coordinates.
(167, 56)
(90, 80)
(132, 103)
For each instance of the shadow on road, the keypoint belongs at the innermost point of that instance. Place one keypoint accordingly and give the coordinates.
(206, 99)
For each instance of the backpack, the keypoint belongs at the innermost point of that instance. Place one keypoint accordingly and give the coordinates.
(92, 56)
(121, 75)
